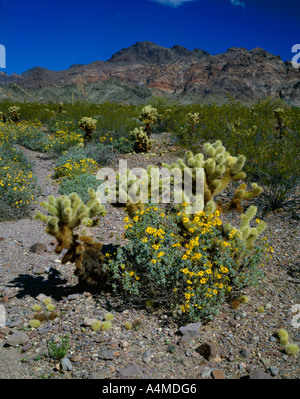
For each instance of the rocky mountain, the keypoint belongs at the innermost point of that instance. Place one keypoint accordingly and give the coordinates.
(176, 72)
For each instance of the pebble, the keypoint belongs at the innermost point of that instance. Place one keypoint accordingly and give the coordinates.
(274, 371)
(2, 316)
(246, 352)
(17, 338)
(66, 364)
(106, 354)
(259, 375)
(218, 374)
(130, 372)
(146, 357)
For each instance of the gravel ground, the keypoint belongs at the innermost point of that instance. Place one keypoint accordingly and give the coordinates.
(237, 342)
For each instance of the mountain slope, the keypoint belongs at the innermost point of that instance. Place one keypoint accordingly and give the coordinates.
(177, 71)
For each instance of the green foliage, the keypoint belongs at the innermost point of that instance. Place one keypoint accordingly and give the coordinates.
(58, 350)
(79, 184)
(18, 184)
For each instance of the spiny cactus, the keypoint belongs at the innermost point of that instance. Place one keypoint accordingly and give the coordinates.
(88, 125)
(248, 234)
(14, 113)
(67, 213)
(149, 117)
(192, 120)
(220, 168)
(142, 142)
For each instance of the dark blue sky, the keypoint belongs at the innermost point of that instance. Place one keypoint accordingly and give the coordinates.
(55, 34)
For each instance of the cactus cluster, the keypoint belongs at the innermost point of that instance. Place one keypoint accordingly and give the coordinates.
(148, 116)
(142, 142)
(65, 213)
(40, 316)
(88, 125)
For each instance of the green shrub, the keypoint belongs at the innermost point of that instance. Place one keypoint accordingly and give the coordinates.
(58, 350)
(190, 275)
(79, 184)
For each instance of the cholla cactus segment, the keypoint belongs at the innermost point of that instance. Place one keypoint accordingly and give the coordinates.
(248, 234)
(148, 116)
(88, 125)
(142, 141)
(14, 113)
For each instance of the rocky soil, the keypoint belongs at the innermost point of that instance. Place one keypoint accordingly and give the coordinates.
(239, 343)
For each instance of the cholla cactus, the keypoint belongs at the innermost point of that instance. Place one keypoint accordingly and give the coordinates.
(220, 168)
(65, 213)
(14, 113)
(88, 125)
(248, 234)
(142, 141)
(192, 119)
(149, 117)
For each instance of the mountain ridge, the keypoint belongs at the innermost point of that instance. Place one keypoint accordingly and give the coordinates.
(247, 75)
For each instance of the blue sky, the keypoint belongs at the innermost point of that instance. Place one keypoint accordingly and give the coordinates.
(55, 34)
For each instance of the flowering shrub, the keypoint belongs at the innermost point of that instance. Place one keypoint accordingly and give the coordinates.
(74, 167)
(191, 274)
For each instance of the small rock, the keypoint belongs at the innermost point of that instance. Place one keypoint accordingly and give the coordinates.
(191, 329)
(2, 316)
(246, 352)
(101, 375)
(17, 338)
(130, 372)
(218, 374)
(75, 358)
(66, 364)
(106, 354)
(207, 373)
(265, 361)
(208, 350)
(33, 334)
(27, 347)
(274, 371)
(38, 248)
(146, 357)
(72, 297)
(43, 330)
(259, 375)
